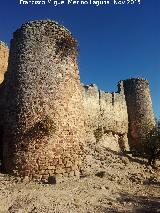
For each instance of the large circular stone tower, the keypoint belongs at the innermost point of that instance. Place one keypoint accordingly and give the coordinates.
(44, 130)
(140, 111)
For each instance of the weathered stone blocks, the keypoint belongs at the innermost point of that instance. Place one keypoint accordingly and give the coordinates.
(106, 117)
(44, 130)
(140, 112)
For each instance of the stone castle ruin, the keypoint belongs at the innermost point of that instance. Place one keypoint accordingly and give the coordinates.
(48, 117)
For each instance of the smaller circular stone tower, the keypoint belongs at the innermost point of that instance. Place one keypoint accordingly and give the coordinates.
(44, 128)
(139, 107)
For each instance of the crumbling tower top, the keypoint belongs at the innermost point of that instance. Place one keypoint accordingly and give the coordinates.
(65, 43)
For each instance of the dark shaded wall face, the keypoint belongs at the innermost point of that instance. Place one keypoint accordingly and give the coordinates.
(44, 132)
(139, 106)
(1, 147)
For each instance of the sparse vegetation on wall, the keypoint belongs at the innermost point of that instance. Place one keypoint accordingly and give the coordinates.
(98, 133)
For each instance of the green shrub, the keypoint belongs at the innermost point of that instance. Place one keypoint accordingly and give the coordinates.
(150, 143)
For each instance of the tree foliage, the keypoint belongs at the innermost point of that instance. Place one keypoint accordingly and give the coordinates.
(150, 142)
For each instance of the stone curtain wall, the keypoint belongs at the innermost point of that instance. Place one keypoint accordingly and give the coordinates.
(4, 51)
(44, 132)
(91, 106)
(106, 117)
(140, 111)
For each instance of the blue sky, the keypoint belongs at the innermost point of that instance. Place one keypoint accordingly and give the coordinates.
(115, 41)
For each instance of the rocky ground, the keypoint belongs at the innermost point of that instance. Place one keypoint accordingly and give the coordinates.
(110, 182)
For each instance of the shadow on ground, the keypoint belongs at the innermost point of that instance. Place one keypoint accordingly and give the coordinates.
(141, 204)
(135, 159)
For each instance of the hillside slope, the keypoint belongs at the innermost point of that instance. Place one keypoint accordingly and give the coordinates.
(110, 182)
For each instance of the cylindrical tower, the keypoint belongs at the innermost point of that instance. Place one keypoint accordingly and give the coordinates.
(140, 111)
(44, 130)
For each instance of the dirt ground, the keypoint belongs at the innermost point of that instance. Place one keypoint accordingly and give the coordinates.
(109, 183)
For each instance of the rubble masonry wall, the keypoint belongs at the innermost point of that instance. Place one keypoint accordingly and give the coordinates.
(44, 128)
(140, 111)
(106, 117)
